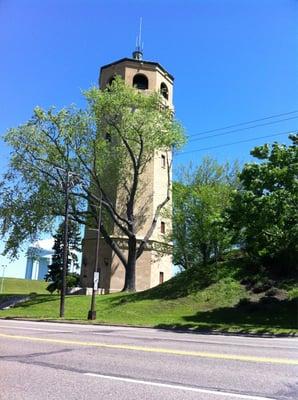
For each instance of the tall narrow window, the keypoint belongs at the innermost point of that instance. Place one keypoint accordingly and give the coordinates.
(164, 90)
(106, 261)
(111, 80)
(163, 161)
(161, 278)
(162, 227)
(108, 137)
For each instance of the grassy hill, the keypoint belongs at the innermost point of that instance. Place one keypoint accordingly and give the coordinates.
(23, 286)
(221, 298)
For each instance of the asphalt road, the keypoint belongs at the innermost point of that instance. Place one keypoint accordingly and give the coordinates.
(65, 361)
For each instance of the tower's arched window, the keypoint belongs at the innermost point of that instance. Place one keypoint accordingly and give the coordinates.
(164, 90)
(140, 81)
(111, 80)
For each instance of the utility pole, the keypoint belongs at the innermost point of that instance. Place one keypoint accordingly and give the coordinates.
(92, 311)
(65, 245)
(3, 270)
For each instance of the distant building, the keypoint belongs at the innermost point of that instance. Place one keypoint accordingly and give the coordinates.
(39, 256)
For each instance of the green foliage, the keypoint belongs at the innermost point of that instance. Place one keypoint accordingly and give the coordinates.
(33, 188)
(131, 126)
(264, 212)
(200, 198)
(104, 149)
(54, 275)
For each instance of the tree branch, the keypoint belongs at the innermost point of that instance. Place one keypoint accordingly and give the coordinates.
(110, 242)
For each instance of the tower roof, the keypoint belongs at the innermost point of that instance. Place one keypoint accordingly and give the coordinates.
(138, 62)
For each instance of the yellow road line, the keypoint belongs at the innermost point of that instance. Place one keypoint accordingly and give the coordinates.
(236, 357)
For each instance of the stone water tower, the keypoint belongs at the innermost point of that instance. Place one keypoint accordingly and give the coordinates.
(152, 267)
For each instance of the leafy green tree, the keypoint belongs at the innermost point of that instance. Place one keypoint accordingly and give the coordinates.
(200, 198)
(108, 145)
(264, 211)
(54, 275)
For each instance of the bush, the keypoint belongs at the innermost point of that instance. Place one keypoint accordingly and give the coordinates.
(264, 210)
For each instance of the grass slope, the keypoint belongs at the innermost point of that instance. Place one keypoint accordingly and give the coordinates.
(193, 299)
(23, 286)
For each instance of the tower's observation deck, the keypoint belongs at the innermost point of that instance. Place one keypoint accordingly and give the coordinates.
(143, 75)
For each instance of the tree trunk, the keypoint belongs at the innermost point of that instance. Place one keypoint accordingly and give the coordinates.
(130, 271)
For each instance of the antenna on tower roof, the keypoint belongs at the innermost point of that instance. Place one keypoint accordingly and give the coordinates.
(138, 53)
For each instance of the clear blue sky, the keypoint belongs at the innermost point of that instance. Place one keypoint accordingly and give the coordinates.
(233, 61)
